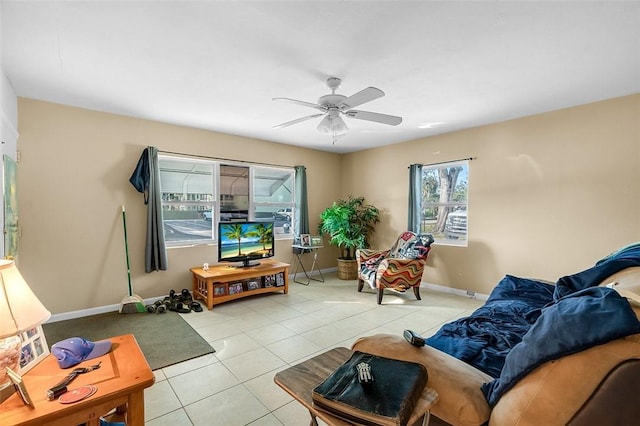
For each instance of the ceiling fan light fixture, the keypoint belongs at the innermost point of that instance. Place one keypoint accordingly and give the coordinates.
(332, 125)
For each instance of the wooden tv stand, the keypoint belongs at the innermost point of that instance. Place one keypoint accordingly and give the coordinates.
(223, 283)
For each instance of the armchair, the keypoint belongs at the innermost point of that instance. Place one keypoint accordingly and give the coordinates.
(399, 268)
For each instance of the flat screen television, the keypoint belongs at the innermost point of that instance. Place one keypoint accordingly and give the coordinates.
(245, 242)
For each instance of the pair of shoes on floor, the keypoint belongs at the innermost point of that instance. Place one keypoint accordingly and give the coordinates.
(158, 307)
(185, 308)
(182, 303)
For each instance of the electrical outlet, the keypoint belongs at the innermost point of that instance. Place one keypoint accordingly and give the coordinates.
(471, 293)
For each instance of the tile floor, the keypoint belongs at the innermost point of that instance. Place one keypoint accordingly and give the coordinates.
(260, 335)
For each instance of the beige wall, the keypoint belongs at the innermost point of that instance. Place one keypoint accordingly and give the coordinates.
(549, 194)
(73, 178)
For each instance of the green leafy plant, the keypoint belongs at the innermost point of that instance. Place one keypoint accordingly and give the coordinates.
(348, 224)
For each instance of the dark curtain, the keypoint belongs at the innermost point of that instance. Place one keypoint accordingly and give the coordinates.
(301, 225)
(415, 197)
(146, 179)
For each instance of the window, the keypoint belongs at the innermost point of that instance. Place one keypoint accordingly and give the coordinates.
(444, 202)
(192, 209)
(234, 192)
(273, 197)
(188, 200)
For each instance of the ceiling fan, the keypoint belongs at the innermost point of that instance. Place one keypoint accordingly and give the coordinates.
(334, 105)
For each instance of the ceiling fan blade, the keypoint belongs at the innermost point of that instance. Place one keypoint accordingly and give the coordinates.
(392, 120)
(303, 103)
(296, 121)
(365, 95)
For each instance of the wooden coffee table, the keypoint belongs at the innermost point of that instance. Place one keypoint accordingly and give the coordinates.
(300, 380)
(121, 379)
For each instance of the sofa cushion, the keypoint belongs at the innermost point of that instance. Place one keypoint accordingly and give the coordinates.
(460, 401)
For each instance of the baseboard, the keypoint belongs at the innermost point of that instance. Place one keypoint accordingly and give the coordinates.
(111, 308)
(455, 291)
(93, 311)
(316, 272)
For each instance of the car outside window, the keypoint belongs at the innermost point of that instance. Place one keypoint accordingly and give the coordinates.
(444, 193)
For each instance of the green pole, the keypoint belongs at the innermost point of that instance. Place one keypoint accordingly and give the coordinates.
(126, 249)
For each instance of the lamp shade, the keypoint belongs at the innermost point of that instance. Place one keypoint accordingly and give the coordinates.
(20, 309)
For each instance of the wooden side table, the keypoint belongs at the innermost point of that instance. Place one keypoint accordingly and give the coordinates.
(300, 380)
(121, 379)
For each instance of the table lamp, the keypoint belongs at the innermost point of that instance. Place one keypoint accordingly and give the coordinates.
(20, 310)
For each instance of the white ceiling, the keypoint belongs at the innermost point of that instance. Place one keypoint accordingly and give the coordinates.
(217, 64)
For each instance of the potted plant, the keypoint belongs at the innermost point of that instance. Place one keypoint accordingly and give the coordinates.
(348, 224)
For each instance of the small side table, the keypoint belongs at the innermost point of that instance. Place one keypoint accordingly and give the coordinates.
(298, 252)
(300, 380)
(121, 379)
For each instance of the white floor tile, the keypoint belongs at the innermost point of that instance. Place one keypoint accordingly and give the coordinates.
(159, 375)
(233, 407)
(303, 323)
(217, 330)
(231, 346)
(293, 348)
(177, 417)
(328, 335)
(265, 389)
(160, 399)
(293, 414)
(192, 364)
(268, 420)
(258, 336)
(270, 333)
(203, 382)
(253, 363)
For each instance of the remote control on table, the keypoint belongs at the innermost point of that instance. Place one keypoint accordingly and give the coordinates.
(414, 338)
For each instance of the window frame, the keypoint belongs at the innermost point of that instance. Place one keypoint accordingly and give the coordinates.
(215, 197)
(450, 206)
(186, 203)
(254, 204)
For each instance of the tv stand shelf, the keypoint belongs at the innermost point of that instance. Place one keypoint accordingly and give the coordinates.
(220, 283)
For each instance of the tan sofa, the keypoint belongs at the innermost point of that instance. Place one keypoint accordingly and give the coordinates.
(598, 386)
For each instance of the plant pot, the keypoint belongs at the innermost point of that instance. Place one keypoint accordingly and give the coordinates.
(347, 269)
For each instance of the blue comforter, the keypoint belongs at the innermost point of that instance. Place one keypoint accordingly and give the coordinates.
(484, 338)
(525, 323)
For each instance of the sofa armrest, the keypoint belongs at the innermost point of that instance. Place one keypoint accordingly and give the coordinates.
(460, 402)
(606, 406)
(554, 392)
